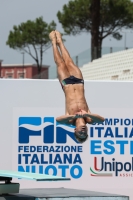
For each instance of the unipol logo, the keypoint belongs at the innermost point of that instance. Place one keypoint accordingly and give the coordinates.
(38, 127)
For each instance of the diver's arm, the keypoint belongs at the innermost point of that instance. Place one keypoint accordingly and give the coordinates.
(66, 119)
(91, 118)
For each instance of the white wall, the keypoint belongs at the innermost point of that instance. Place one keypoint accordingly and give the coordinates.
(45, 98)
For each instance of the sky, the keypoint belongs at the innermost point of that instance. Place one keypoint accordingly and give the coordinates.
(15, 12)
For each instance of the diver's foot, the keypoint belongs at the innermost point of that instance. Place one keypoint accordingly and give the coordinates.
(58, 37)
(52, 37)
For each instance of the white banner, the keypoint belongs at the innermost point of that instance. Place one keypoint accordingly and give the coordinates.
(33, 141)
(41, 145)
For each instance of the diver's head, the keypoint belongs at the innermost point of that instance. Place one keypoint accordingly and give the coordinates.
(81, 130)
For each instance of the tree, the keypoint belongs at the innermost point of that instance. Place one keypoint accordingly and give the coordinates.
(32, 37)
(95, 17)
(80, 16)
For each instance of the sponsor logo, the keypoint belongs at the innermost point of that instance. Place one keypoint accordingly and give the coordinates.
(114, 166)
(34, 127)
(43, 148)
(110, 142)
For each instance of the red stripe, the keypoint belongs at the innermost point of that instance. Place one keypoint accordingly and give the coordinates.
(95, 164)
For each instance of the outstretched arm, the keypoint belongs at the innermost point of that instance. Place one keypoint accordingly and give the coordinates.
(66, 119)
(90, 118)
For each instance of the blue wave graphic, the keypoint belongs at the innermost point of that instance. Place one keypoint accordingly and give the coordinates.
(48, 133)
(27, 130)
(30, 120)
(62, 133)
(64, 125)
(48, 119)
(36, 128)
(32, 126)
(24, 134)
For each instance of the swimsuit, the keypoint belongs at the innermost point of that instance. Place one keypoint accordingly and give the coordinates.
(72, 80)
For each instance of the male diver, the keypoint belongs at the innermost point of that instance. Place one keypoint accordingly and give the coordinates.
(71, 79)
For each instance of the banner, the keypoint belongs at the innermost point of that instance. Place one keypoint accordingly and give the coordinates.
(32, 140)
(44, 146)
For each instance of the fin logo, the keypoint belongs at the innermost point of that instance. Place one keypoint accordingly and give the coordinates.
(43, 127)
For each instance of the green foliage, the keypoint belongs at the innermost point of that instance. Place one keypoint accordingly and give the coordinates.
(32, 36)
(31, 33)
(114, 15)
(75, 16)
(117, 36)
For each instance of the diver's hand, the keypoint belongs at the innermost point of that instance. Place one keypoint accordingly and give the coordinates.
(84, 113)
(79, 114)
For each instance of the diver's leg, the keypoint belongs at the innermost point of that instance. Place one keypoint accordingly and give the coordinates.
(61, 66)
(72, 68)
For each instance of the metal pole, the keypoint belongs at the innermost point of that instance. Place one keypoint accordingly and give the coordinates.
(0, 67)
(125, 40)
(23, 64)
